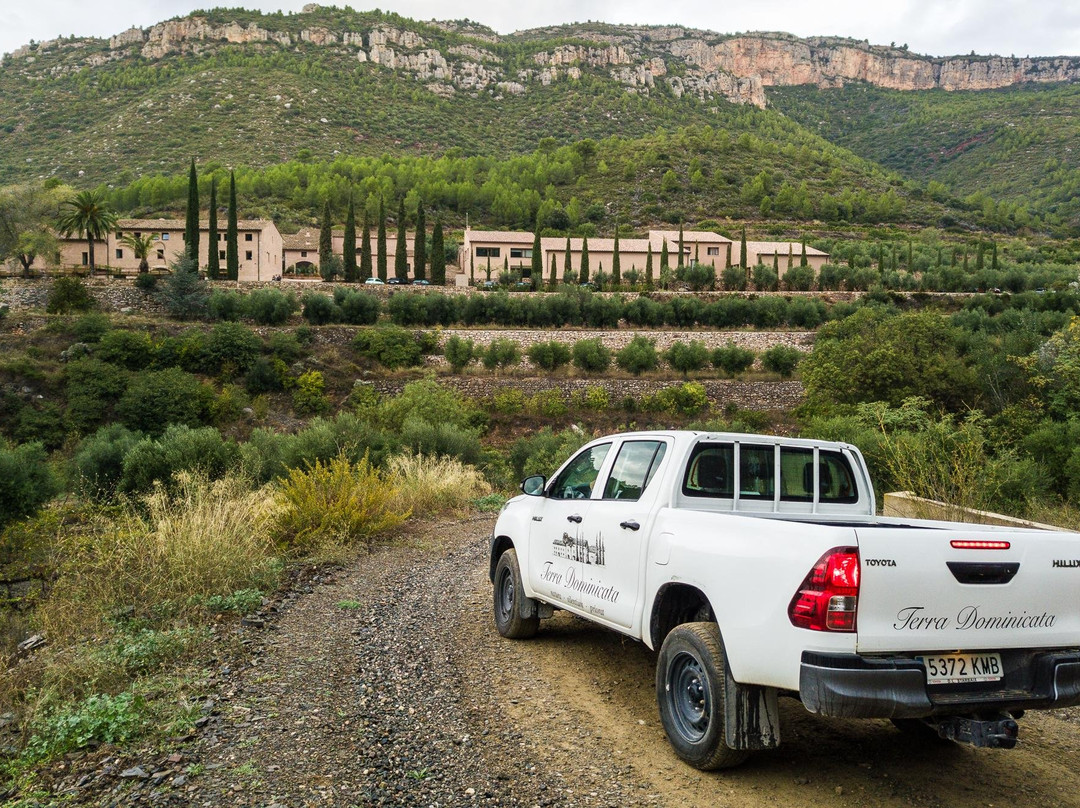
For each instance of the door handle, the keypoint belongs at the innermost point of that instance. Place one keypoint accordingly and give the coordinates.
(574, 518)
(630, 524)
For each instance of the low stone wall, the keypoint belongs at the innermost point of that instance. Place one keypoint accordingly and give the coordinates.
(767, 396)
(906, 505)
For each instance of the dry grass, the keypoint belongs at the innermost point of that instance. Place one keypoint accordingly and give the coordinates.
(429, 485)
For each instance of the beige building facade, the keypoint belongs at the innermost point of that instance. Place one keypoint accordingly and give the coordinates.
(301, 251)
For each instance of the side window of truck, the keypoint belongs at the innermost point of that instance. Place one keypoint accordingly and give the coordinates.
(835, 480)
(578, 478)
(710, 472)
(756, 474)
(635, 465)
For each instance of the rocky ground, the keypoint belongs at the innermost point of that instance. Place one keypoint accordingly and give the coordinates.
(384, 683)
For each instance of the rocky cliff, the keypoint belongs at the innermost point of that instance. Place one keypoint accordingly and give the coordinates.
(701, 63)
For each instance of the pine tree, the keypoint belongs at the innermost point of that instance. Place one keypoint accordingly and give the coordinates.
(583, 276)
(348, 248)
(536, 272)
(616, 269)
(213, 259)
(191, 228)
(232, 248)
(742, 249)
(567, 266)
(365, 249)
(420, 244)
(380, 245)
(326, 237)
(438, 254)
(401, 254)
(680, 263)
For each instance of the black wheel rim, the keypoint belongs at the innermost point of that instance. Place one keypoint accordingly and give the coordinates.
(688, 697)
(504, 600)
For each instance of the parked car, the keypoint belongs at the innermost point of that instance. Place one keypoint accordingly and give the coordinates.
(396, 281)
(374, 282)
(421, 282)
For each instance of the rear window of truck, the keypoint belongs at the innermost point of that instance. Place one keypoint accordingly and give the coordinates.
(710, 473)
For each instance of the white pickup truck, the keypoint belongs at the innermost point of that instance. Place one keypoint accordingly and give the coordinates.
(758, 568)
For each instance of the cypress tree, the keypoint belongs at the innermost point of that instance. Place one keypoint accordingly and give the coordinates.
(802, 260)
(776, 262)
(420, 244)
(979, 255)
(790, 256)
(648, 265)
(938, 264)
(909, 255)
(380, 251)
(553, 281)
(191, 227)
(536, 273)
(583, 276)
(326, 238)
(438, 254)
(232, 248)
(567, 266)
(993, 255)
(680, 262)
(663, 256)
(213, 260)
(348, 248)
(401, 254)
(616, 269)
(365, 249)
(965, 259)
(742, 249)
(881, 257)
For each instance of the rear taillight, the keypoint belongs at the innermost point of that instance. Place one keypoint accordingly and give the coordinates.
(829, 596)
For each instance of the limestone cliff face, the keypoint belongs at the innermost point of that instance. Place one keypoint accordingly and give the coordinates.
(641, 59)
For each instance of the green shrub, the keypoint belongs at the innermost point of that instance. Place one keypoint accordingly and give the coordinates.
(734, 278)
(229, 405)
(549, 403)
(184, 295)
(688, 398)
(133, 350)
(91, 387)
(26, 481)
(550, 355)
(185, 351)
(40, 421)
(638, 356)
(68, 294)
(96, 719)
(765, 279)
(544, 451)
(732, 359)
(685, 357)
(309, 396)
(154, 399)
(596, 398)
(799, 279)
(431, 402)
(91, 327)
(146, 282)
(393, 346)
(270, 306)
(356, 307)
(98, 464)
(202, 451)
(501, 353)
(508, 401)
(591, 356)
(225, 304)
(285, 346)
(781, 359)
(230, 348)
(265, 376)
(320, 309)
(440, 439)
(459, 352)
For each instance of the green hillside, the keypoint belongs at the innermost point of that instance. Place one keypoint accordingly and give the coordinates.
(1020, 145)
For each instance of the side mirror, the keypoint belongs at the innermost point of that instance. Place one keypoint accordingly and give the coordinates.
(534, 486)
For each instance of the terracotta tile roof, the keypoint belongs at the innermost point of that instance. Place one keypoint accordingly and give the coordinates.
(174, 225)
(781, 247)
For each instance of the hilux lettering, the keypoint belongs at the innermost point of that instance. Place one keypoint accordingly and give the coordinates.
(1066, 562)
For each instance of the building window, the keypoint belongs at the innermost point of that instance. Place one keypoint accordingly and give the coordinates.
(164, 236)
(247, 255)
(303, 253)
(714, 251)
(221, 254)
(161, 255)
(520, 252)
(488, 252)
(119, 254)
(85, 259)
(247, 236)
(138, 234)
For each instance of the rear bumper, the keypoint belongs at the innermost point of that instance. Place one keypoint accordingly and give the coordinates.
(852, 686)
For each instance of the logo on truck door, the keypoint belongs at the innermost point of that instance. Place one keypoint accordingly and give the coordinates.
(577, 548)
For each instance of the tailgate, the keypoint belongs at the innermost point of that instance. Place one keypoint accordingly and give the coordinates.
(928, 589)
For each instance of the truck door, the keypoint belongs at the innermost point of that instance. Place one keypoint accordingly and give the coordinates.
(557, 540)
(616, 533)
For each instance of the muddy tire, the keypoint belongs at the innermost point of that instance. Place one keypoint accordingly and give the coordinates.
(508, 592)
(690, 694)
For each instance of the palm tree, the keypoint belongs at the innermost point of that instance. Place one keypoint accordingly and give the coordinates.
(86, 213)
(141, 246)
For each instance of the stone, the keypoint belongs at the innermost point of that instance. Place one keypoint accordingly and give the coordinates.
(135, 772)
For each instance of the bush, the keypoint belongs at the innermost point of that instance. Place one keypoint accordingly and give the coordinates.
(319, 309)
(230, 348)
(309, 397)
(596, 398)
(157, 398)
(549, 403)
(428, 401)
(270, 306)
(544, 452)
(431, 485)
(26, 481)
(765, 279)
(285, 346)
(358, 308)
(68, 294)
(146, 282)
(225, 304)
(781, 359)
(688, 398)
(266, 376)
(91, 387)
(440, 439)
(329, 506)
(638, 356)
(133, 350)
(732, 359)
(185, 351)
(98, 464)
(508, 401)
(229, 405)
(501, 353)
(734, 279)
(184, 295)
(550, 355)
(591, 356)
(96, 719)
(687, 357)
(459, 352)
(393, 346)
(799, 279)
(91, 327)
(180, 449)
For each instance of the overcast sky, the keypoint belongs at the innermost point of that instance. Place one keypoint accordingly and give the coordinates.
(935, 27)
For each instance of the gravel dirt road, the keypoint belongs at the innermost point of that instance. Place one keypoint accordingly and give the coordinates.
(388, 685)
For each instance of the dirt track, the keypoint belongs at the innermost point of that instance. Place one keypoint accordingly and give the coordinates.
(406, 695)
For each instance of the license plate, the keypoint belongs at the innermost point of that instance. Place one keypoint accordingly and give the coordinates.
(949, 669)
